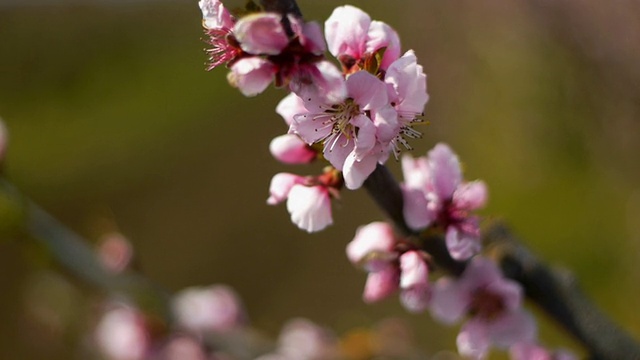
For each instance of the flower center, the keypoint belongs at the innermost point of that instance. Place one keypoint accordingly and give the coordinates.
(486, 304)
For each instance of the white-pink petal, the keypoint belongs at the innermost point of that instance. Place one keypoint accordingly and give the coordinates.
(355, 171)
(449, 301)
(261, 34)
(368, 91)
(473, 340)
(280, 187)
(471, 196)
(290, 106)
(462, 245)
(445, 170)
(251, 75)
(415, 210)
(310, 207)
(121, 334)
(511, 327)
(215, 15)
(409, 83)
(346, 31)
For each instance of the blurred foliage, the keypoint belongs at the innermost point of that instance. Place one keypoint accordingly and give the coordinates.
(114, 125)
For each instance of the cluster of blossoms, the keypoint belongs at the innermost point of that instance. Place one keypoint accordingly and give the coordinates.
(354, 117)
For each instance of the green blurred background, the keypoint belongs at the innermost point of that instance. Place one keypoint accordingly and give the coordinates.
(115, 126)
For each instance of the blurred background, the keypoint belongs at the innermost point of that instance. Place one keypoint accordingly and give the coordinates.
(116, 127)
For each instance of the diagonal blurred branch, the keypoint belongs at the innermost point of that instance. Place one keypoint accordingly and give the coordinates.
(74, 254)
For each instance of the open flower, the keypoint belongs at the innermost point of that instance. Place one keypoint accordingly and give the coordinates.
(213, 308)
(345, 128)
(493, 304)
(435, 194)
(218, 22)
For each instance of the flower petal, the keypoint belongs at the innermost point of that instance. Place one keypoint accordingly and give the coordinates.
(470, 196)
(473, 340)
(462, 245)
(367, 90)
(280, 186)
(310, 207)
(374, 237)
(290, 149)
(381, 284)
(449, 301)
(445, 169)
(251, 75)
(261, 34)
(355, 171)
(382, 35)
(346, 31)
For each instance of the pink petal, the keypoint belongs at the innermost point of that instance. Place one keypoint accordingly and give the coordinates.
(355, 171)
(385, 120)
(337, 150)
(346, 31)
(318, 84)
(310, 128)
(310, 207)
(413, 270)
(409, 83)
(374, 237)
(290, 149)
(473, 340)
(449, 301)
(215, 15)
(445, 169)
(367, 90)
(366, 138)
(415, 211)
(261, 34)
(280, 187)
(382, 35)
(462, 245)
(471, 196)
(381, 284)
(309, 34)
(415, 299)
(290, 106)
(511, 328)
(416, 172)
(251, 75)
(121, 334)
(479, 273)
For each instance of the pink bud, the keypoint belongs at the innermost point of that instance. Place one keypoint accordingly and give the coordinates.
(375, 238)
(115, 252)
(381, 284)
(290, 149)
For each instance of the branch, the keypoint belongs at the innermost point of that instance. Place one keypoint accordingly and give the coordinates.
(77, 258)
(557, 294)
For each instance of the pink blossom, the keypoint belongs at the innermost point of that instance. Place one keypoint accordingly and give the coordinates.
(183, 348)
(310, 207)
(261, 34)
(435, 193)
(290, 106)
(532, 351)
(213, 308)
(414, 281)
(251, 75)
(309, 35)
(346, 131)
(352, 37)
(290, 149)
(121, 334)
(407, 86)
(493, 303)
(373, 246)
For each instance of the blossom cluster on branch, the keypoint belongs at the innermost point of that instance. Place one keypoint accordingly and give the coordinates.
(354, 117)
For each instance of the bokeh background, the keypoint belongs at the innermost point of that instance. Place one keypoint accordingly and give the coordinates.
(115, 126)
